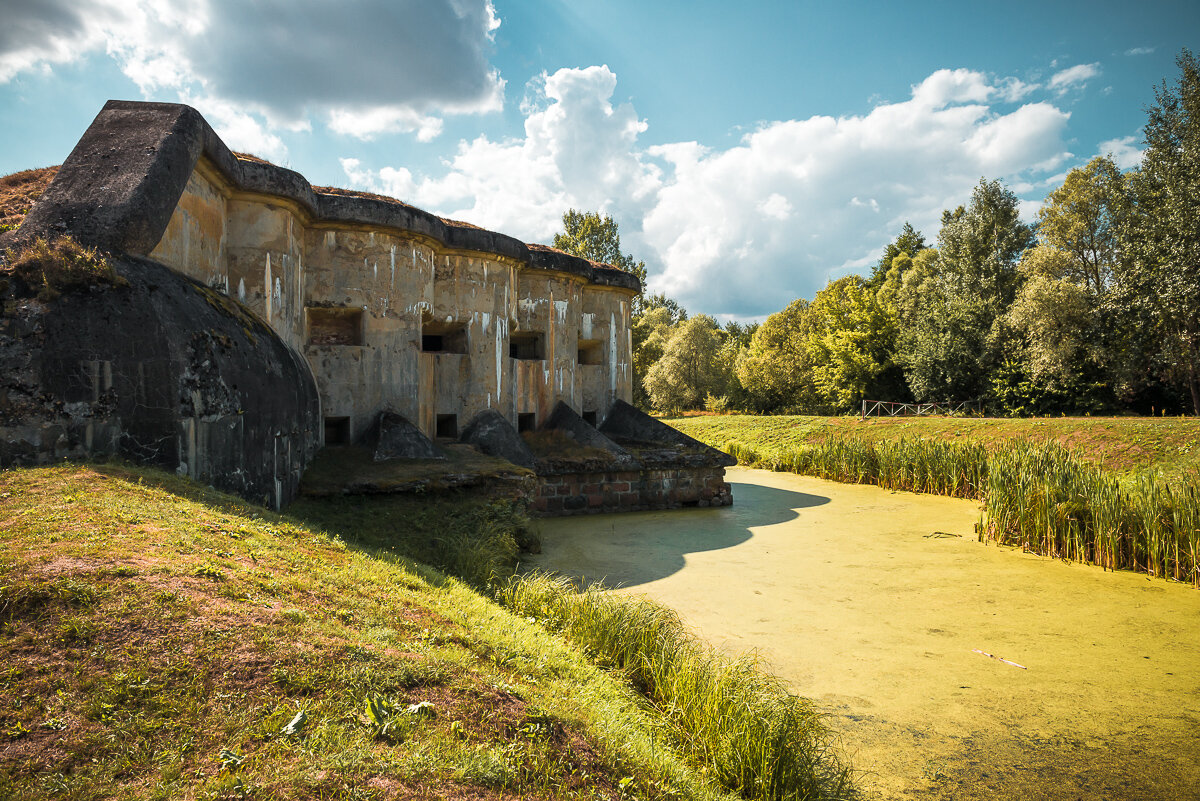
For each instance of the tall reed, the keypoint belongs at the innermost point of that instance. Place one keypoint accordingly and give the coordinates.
(917, 465)
(1048, 500)
(1042, 498)
(739, 722)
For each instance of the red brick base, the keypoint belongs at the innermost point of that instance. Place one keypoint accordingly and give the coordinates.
(590, 493)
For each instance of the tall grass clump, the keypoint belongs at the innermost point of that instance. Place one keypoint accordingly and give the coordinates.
(1048, 500)
(916, 465)
(752, 735)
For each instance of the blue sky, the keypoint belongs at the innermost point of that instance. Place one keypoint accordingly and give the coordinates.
(750, 153)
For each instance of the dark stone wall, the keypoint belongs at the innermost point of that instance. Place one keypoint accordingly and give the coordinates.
(164, 371)
(631, 490)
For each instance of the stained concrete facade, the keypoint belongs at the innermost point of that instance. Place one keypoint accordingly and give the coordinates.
(347, 305)
(392, 319)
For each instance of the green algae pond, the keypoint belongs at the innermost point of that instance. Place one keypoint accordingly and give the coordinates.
(948, 668)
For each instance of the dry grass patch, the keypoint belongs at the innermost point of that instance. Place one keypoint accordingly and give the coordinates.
(19, 191)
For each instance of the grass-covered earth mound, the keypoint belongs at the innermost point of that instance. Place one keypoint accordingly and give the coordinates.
(163, 640)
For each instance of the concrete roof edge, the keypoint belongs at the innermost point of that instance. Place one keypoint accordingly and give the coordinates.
(120, 184)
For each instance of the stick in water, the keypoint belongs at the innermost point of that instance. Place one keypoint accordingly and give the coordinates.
(999, 659)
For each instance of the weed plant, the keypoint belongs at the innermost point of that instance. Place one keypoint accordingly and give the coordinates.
(738, 721)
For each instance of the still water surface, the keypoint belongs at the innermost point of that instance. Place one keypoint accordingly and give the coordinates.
(875, 604)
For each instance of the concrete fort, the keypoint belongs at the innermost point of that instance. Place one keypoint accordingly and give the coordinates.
(259, 318)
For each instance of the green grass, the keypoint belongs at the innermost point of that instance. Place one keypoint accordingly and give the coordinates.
(1169, 446)
(740, 723)
(160, 640)
(1037, 494)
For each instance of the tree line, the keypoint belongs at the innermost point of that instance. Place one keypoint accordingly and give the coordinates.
(1093, 308)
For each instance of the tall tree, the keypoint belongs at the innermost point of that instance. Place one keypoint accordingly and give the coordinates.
(592, 236)
(776, 370)
(1159, 272)
(979, 246)
(690, 367)
(910, 241)
(1081, 218)
(850, 339)
(949, 339)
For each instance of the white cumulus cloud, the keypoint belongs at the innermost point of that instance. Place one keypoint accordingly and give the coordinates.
(1124, 151)
(739, 231)
(579, 151)
(363, 68)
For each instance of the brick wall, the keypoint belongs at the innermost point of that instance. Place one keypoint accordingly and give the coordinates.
(628, 491)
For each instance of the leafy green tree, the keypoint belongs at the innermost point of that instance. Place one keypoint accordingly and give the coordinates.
(591, 236)
(776, 371)
(1081, 218)
(650, 333)
(950, 337)
(910, 242)
(689, 369)
(1159, 270)
(850, 340)
(979, 246)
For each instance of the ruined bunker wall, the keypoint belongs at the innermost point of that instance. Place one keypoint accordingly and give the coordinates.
(631, 490)
(473, 304)
(606, 333)
(312, 266)
(356, 300)
(549, 306)
(363, 298)
(163, 370)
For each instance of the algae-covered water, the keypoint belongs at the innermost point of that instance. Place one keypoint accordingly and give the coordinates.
(949, 669)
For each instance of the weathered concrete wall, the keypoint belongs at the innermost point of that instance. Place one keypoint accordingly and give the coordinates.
(164, 370)
(327, 292)
(391, 286)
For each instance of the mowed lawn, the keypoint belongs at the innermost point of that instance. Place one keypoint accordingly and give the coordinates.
(1167, 445)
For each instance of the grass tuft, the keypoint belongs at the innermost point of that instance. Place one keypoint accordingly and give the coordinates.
(52, 267)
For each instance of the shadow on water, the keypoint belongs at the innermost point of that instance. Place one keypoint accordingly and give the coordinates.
(625, 550)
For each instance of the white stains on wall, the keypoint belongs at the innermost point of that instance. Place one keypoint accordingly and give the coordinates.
(267, 287)
(501, 340)
(494, 296)
(612, 353)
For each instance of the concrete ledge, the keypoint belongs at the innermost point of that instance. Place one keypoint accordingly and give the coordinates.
(119, 186)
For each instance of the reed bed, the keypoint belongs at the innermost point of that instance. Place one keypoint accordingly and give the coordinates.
(1047, 500)
(915, 465)
(1043, 498)
(739, 722)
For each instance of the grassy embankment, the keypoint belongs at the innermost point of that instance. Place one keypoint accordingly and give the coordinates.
(1123, 493)
(162, 640)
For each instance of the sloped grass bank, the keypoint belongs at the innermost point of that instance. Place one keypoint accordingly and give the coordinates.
(1040, 497)
(159, 640)
(162, 640)
(740, 723)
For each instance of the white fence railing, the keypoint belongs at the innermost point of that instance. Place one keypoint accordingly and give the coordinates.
(876, 408)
